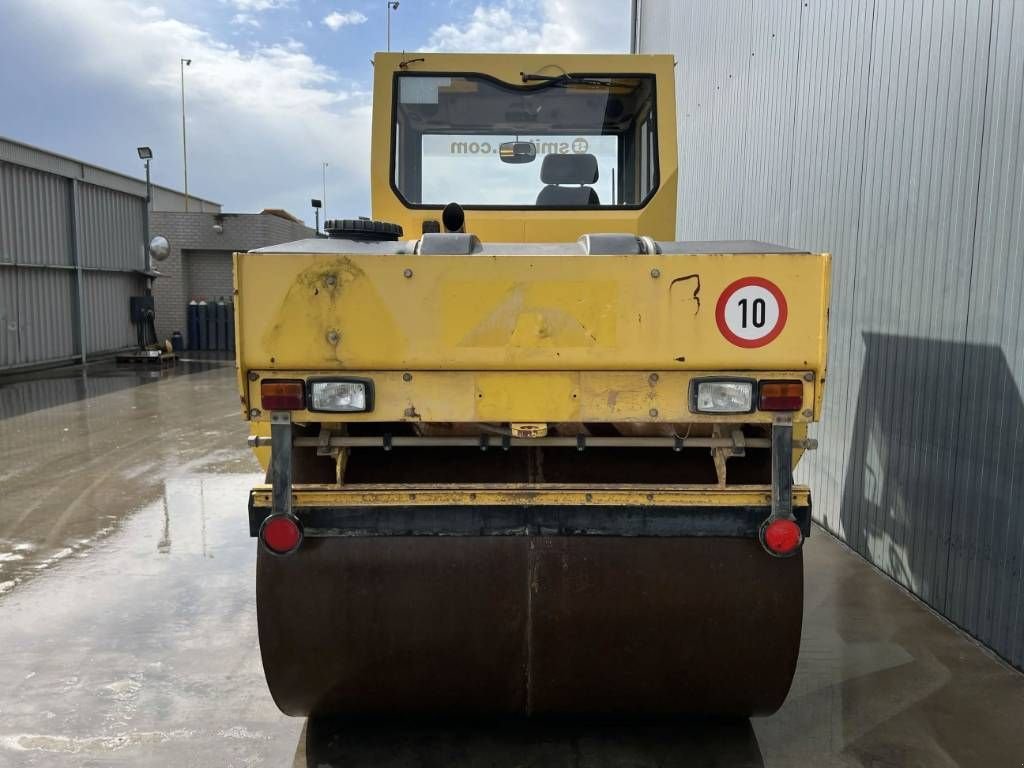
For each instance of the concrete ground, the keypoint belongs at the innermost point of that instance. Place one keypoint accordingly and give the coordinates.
(128, 627)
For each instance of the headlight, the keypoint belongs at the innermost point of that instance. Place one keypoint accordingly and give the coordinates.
(349, 396)
(721, 396)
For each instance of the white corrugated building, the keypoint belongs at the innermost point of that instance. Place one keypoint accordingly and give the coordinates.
(890, 134)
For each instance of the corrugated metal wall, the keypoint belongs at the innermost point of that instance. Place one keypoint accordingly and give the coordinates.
(888, 132)
(63, 240)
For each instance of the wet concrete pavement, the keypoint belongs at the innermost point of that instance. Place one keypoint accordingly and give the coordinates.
(128, 628)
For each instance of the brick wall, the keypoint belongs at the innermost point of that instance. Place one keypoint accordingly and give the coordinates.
(208, 274)
(189, 232)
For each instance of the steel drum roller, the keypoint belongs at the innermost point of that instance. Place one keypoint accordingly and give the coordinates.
(529, 625)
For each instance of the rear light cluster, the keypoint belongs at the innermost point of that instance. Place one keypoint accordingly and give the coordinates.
(325, 395)
(281, 395)
(781, 536)
(745, 395)
(780, 396)
(281, 534)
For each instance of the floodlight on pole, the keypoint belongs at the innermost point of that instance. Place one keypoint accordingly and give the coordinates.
(316, 209)
(392, 5)
(184, 151)
(324, 190)
(146, 154)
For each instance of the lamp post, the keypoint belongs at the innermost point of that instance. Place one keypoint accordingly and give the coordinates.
(392, 5)
(323, 197)
(316, 209)
(184, 151)
(145, 153)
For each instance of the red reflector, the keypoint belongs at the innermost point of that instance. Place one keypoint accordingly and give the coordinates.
(280, 395)
(281, 534)
(782, 536)
(781, 396)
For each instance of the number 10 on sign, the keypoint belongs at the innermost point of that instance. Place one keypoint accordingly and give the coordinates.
(751, 312)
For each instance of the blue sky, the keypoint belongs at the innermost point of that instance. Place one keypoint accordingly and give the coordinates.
(275, 88)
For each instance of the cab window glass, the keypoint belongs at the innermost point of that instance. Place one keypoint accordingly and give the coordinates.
(567, 141)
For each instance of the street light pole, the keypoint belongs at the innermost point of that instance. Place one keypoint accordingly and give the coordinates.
(184, 151)
(145, 153)
(324, 198)
(145, 222)
(391, 5)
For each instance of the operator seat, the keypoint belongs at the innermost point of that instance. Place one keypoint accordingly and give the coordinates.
(559, 171)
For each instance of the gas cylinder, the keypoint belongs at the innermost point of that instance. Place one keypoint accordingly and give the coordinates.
(192, 324)
(211, 324)
(201, 312)
(222, 324)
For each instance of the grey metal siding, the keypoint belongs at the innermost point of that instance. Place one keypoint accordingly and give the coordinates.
(8, 318)
(889, 133)
(108, 323)
(45, 315)
(111, 225)
(986, 580)
(49, 226)
(164, 199)
(34, 217)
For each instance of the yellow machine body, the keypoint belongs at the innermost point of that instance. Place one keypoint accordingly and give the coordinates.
(531, 428)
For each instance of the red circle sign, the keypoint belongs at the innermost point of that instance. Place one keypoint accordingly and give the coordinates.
(751, 312)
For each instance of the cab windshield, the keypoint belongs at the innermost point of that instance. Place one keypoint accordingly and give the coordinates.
(557, 141)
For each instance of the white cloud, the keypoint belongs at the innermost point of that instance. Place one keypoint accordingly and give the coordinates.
(245, 19)
(260, 119)
(257, 6)
(549, 26)
(336, 20)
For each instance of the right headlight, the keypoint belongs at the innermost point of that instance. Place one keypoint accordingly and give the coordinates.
(722, 396)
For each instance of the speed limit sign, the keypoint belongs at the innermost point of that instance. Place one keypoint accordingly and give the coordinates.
(751, 312)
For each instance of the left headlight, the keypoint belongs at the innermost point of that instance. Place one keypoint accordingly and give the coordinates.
(340, 396)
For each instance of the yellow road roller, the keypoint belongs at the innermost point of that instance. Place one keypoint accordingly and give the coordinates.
(526, 452)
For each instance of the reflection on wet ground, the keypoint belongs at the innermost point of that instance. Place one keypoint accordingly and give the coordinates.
(70, 472)
(24, 393)
(128, 630)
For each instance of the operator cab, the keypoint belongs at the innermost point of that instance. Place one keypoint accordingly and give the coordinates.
(522, 149)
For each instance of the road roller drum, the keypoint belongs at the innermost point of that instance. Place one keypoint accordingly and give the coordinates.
(529, 625)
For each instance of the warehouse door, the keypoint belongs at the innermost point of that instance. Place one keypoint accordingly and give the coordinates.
(207, 275)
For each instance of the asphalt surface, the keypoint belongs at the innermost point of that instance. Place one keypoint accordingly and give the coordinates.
(128, 627)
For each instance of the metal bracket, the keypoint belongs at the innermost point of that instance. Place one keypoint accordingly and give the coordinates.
(782, 468)
(739, 443)
(281, 461)
(323, 447)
